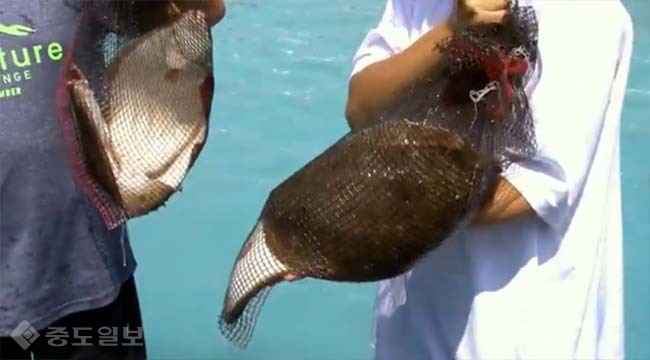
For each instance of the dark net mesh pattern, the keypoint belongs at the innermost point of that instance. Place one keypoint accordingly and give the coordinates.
(364, 210)
(481, 93)
(134, 98)
(374, 203)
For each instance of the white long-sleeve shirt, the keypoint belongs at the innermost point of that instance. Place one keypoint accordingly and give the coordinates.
(548, 286)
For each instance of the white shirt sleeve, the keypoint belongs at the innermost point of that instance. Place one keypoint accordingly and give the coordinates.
(582, 86)
(390, 37)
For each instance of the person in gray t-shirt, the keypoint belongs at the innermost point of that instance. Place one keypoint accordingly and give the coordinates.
(60, 269)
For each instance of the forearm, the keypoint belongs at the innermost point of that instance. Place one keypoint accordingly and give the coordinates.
(505, 204)
(377, 88)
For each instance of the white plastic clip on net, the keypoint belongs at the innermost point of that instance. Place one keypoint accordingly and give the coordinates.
(478, 95)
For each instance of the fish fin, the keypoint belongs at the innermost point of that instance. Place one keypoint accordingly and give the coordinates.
(173, 172)
(170, 174)
(175, 59)
(95, 116)
(85, 101)
(98, 121)
(255, 272)
(92, 131)
(241, 331)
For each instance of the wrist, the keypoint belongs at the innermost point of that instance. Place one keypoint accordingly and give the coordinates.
(440, 33)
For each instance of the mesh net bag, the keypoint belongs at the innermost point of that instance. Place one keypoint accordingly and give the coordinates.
(134, 99)
(481, 93)
(371, 205)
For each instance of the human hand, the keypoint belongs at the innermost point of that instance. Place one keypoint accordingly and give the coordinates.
(151, 14)
(475, 12)
(214, 9)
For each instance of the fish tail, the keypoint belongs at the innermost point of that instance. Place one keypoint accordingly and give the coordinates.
(241, 330)
(255, 272)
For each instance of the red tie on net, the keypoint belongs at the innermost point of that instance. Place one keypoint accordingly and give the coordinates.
(498, 68)
(501, 70)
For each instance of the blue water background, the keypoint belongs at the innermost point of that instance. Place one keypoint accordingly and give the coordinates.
(281, 78)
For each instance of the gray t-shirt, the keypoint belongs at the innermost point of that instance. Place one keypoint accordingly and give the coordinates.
(56, 256)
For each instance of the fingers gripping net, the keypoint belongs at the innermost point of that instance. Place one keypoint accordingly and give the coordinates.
(502, 57)
(134, 100)
(481, 92)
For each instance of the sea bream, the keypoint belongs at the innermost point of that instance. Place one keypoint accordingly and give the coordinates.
(144, 131)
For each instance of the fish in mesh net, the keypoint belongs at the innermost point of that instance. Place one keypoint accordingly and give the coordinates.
(134, 102)
(379, 199)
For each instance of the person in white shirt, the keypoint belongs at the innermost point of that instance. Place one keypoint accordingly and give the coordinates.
(538, 274)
